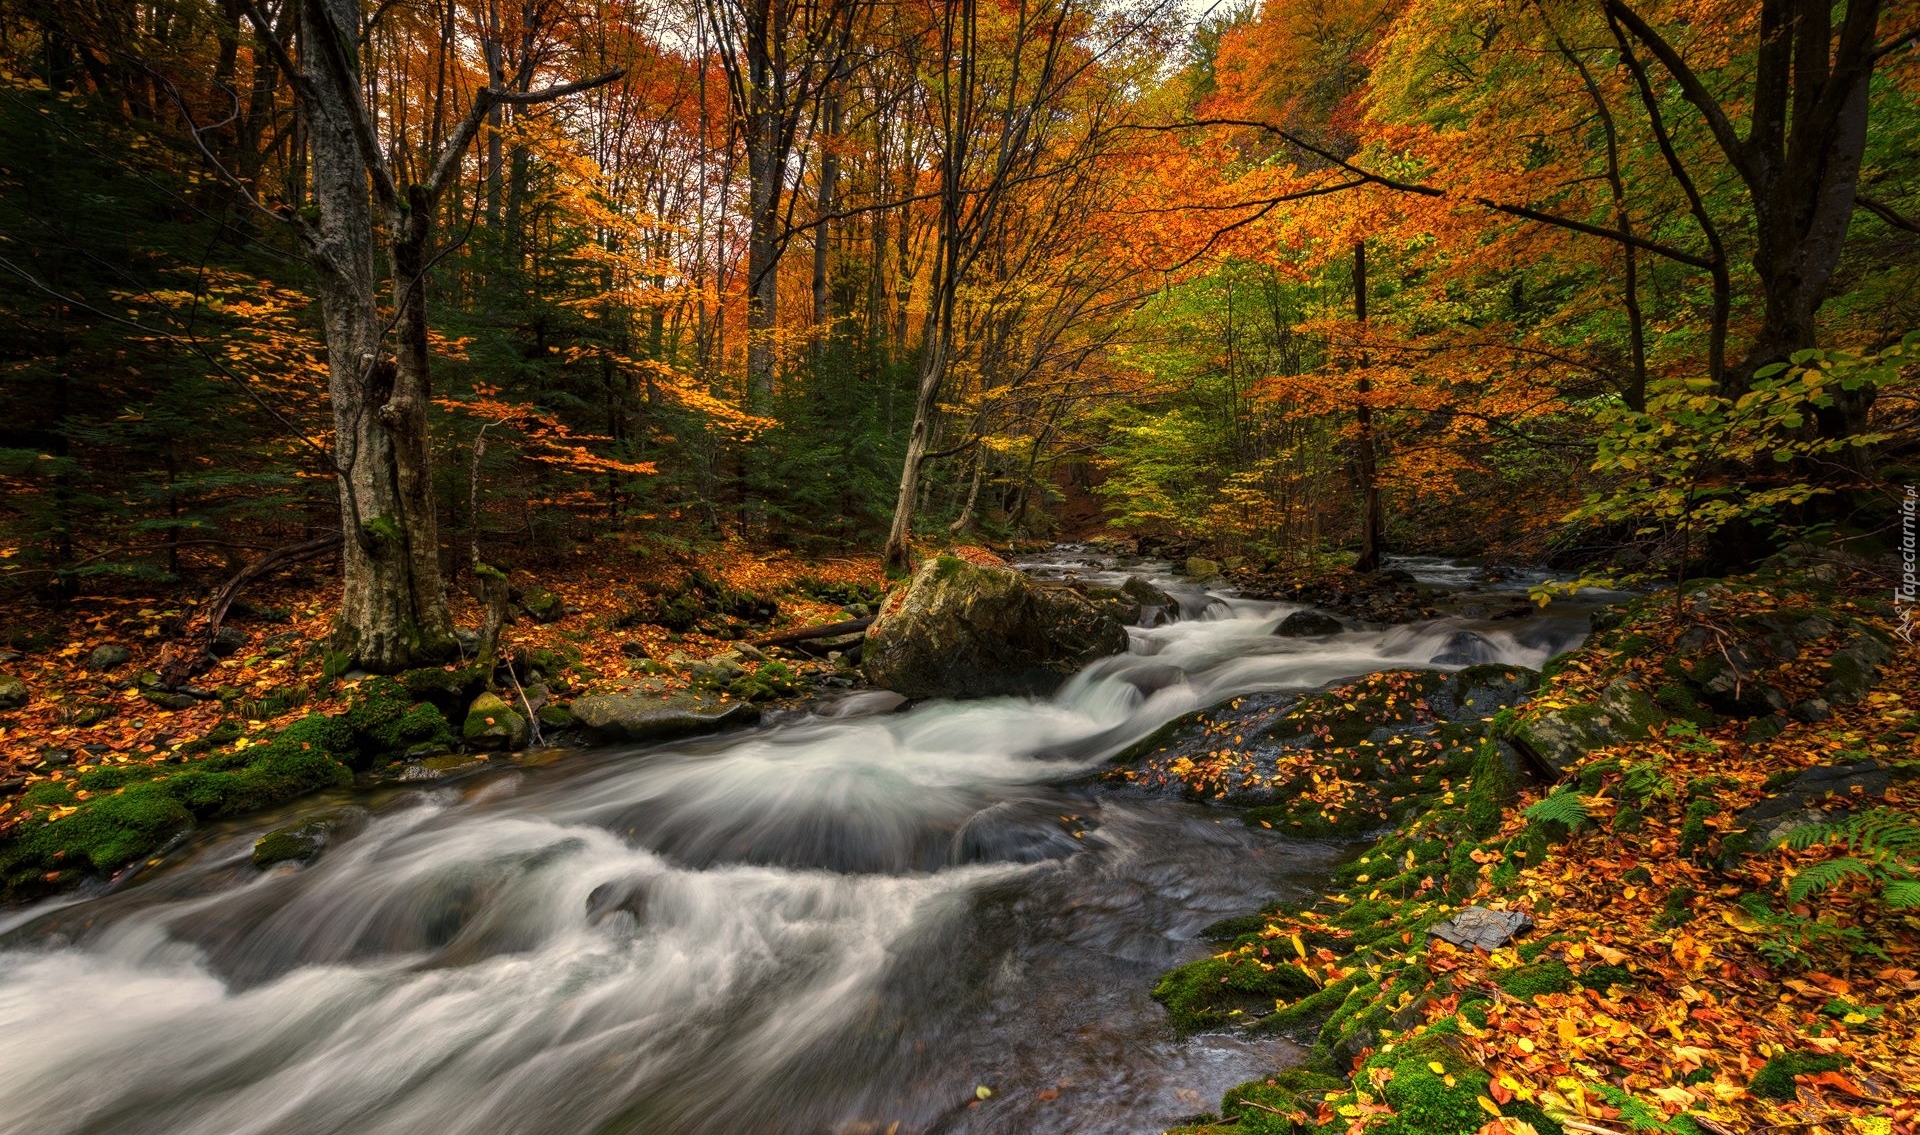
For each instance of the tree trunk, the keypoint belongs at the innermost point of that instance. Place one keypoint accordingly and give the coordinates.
(393, 613)
(1372, 539)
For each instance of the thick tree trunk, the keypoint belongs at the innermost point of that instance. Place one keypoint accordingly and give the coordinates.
(393, 613)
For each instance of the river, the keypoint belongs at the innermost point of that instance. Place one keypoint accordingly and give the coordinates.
(840, 923)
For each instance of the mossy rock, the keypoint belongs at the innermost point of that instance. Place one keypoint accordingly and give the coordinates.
(1207, 992)
(1282, 1104)
(492, 724)
(108, 832)
(542, 605)
(1536, 979)
(1774, 1080)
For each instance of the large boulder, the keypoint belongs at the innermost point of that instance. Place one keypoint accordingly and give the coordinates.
(639, 715)
(965, 630)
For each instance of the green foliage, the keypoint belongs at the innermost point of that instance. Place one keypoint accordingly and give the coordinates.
(1687, 463)
(1884, 848)
(1562, 810)
(1797, 941)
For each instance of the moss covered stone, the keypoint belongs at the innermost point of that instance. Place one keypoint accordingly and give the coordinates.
(491, 724)
(1213, 990)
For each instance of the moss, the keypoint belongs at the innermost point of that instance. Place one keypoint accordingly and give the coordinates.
(282, 845)
(1491, 791)
(1680, 701)
(1310, 1012)
(1537, 979)
(1423, 1101)
(1604, 977)
(1694, 833)
(109, 832)
(1476, 1012)
(946, 567)
(385, 719)
(1206, 992)
(1679, 906)
(1269, 1106)
(1774, 1080)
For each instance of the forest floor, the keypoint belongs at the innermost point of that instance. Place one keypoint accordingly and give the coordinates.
(93, 700)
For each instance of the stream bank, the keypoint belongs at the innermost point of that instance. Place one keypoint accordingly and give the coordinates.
(1701, 815)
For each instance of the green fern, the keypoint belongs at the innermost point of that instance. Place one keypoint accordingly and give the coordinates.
(1564, 807)
(1885, 851)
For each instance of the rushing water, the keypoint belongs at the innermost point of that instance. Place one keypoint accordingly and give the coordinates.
(842, 923)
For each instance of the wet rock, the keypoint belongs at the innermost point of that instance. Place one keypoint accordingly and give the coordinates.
(1464, 648)
(1147, 595)
(641, 716)
(633, 650)
(966, 630)
(1481, 691)
(1812, 709)
(1817, 794)
(13, 693)
(226, 641)
(1018, 832)
(107, 657)
(492, 724)
(295, 842)
(1200, 567)
(1308, 624)
(1479, 928)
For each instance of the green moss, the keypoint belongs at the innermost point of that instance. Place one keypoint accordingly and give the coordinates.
(108, 832)
(1537, 979)
(1604, 977)
(1491, 792)
(946, 567)
(1294, 1094)
(1476, 1012)
(1422, 1100)
(1679, 906)
(1694, 832)
(1774, 1080)
(1206, 992)
(282, 845)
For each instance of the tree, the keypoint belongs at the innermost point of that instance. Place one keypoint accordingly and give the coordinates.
(393, 611)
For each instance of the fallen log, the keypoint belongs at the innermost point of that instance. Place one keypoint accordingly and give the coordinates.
(831, 630)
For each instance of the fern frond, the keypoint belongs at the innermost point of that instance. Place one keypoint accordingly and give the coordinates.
(1878, 833)
(1563, 807)
(1901, 893)
(1825, 875)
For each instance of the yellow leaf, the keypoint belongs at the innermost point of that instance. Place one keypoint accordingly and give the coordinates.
(1569, 1032)
(1439, 1069)
(1488, 1106)
(1678, 1097)
(1740, 920)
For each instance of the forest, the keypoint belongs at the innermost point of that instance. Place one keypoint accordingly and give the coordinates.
(410, 410)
